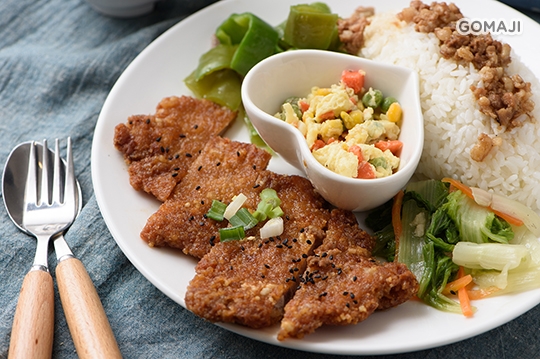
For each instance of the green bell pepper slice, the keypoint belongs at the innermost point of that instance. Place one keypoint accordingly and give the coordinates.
(311, 26)
(222, 87)
(255, 38)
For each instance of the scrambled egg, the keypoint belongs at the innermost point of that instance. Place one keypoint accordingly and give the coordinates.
(337, 117)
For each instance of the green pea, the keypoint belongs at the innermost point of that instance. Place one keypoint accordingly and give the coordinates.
(372, 98)
(387, 102)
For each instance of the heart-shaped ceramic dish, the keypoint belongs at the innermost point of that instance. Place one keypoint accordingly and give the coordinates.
(294, 73)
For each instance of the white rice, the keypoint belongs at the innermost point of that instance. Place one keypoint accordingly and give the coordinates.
(452, 119)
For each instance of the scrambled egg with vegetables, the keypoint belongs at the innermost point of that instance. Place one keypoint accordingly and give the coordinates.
(350, 131)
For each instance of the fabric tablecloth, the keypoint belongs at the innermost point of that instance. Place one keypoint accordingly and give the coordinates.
(58, 61)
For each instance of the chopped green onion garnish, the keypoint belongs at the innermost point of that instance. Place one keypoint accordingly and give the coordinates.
(243, 218)
(217, 210)
(270, 195)
(276, 212)
(231, 234)
(234, 206)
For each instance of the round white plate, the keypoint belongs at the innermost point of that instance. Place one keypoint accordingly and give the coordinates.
(159, 72)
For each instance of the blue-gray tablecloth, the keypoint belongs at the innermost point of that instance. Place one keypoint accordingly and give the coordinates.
(58, 61)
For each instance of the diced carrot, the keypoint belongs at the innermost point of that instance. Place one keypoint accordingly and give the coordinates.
(358, 152)
(365, 171)
(394, 146)
(327, 116)
(353, 79)
(318, 145)
(468, 192)
(396, 217)
(331, 140)
(304, 106)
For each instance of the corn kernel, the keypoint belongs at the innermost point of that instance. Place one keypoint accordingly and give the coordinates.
(394, 112)
(322, 91)
(352, 119)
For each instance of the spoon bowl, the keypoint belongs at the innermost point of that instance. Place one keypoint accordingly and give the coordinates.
(16, 168)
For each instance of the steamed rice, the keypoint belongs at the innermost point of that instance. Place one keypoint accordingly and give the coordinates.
(452, 119)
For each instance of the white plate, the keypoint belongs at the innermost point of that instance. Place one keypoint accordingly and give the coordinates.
(159, 72)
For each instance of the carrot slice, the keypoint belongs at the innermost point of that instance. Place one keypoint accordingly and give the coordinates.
(468, 192)
(464, 300)
(458, 185)
(454, 286)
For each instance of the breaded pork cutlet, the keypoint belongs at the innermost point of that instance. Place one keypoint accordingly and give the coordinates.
(224, 169)
(160, 148)
(248, 282)
(343, 284)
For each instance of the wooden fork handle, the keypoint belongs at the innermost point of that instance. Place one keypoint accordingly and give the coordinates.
(33, 325)
(86, 318)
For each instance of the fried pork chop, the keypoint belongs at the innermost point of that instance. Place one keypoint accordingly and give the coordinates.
(160, 148)
(343, 284)
(248, 282)
(223, 170)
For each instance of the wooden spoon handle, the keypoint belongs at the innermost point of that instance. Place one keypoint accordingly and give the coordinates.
(33, 325)
(86, 318)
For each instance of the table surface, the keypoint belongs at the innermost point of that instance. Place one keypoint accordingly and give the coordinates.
(58, 61)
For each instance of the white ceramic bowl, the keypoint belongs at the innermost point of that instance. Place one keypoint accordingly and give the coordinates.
(294, 73)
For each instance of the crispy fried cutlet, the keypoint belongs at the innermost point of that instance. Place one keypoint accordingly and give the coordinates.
(248, 282)
(343, 284)
(160, 148)
(223, 170)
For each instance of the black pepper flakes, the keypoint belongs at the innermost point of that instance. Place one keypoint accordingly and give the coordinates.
(189, 155)
(182, 135)
(218, 164)
(200, 168)
(354, 279)
(257, 186)
(196, 126)
(308, 242)
(197, 188)
(175, 174)
(267, 266)
(162, 149)
(177, 156)
(147, 121)
(158, 139)
(323, 294)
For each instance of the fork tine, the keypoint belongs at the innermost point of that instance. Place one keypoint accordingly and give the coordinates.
(44, 193)
(57, 183)
(70, 183)
(30, 189)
